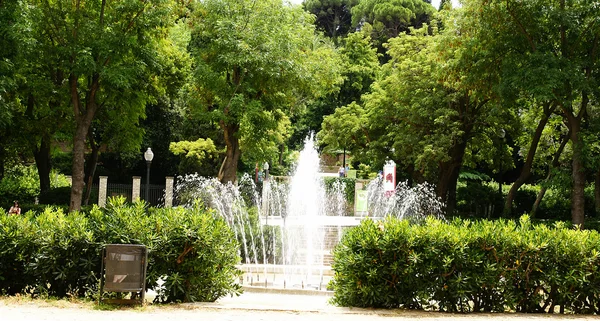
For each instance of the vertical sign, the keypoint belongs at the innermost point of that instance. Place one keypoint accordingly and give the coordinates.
(361, 201)
(389, 178)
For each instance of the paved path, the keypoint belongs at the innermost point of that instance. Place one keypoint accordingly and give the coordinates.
(248, 307)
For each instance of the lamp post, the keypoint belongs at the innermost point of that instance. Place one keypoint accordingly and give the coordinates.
(148, 156)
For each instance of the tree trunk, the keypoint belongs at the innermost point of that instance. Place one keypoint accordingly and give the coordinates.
(597, 193)
(554, 164)
(228, 172)
(83, 119)
(451, 203)
(78, 167)
(336, 23)
(526, 170)
(41, 148)
(91, 167)
(42, 162)
(578, 197)
(578, 174)
(2, 161)
(281, 152)
(449, 175)
(540, 196)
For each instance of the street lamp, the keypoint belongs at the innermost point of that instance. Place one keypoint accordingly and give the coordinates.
(266, 166)
(148, 156)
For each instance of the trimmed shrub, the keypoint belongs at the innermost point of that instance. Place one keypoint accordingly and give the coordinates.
(464, 266)
(65, 259)
(16, 247)
(193, 252)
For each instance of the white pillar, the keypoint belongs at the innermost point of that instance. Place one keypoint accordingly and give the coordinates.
(135, 191)
(102, 187)
(169, 191)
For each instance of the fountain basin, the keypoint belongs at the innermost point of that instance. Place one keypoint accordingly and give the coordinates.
(317, 220)
(286, 277)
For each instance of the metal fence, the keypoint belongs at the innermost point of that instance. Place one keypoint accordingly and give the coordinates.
(156, 193)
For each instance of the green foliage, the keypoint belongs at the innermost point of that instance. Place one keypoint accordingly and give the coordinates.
(20, 183)
(361, 67)
(16, 246)
(464, 266)
(389, 18)
(267, 250)
(41, 208)
(334, 17)
(191, 250)
(56, 196)
(56, 254)
(255, 61)
(348, 185)
(481, 200)
(477, 199)
(8, 41)
(193, 154)
(65, 258)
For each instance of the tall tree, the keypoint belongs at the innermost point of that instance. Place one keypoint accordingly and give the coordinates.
(360, 68)
(388, 18)
(445, 4)
(9, 11)
(254, 59)
(124, 134)
(41, 88)
(106, 49)
(553, 45)
(427, 108)
(334, 17)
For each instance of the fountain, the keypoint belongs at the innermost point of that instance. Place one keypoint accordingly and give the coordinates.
(288, 230)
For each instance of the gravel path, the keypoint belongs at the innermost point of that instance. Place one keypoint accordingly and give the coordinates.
(248, 307)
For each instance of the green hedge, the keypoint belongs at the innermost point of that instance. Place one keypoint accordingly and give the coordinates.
(58, 254)
(463, 266)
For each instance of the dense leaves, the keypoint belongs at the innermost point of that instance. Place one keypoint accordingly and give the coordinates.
(253, 61)
(193, 253)
(334, 17)
(464, 266)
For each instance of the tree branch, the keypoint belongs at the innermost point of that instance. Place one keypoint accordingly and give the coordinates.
(521, 27)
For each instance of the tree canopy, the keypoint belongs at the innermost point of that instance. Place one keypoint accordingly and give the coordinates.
(490, 89)
(254, 60)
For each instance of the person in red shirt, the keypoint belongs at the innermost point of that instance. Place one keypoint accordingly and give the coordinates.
(15, 209)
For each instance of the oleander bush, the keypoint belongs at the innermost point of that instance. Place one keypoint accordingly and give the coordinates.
(192, 253)
(464, 266)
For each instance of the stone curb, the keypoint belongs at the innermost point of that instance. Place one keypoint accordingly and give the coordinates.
(259, 289)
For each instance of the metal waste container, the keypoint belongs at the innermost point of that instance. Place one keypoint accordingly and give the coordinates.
(124, 270)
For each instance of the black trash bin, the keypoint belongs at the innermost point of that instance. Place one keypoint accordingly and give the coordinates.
(124, 270)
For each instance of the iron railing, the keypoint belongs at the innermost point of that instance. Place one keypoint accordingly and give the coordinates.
(156, 193)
